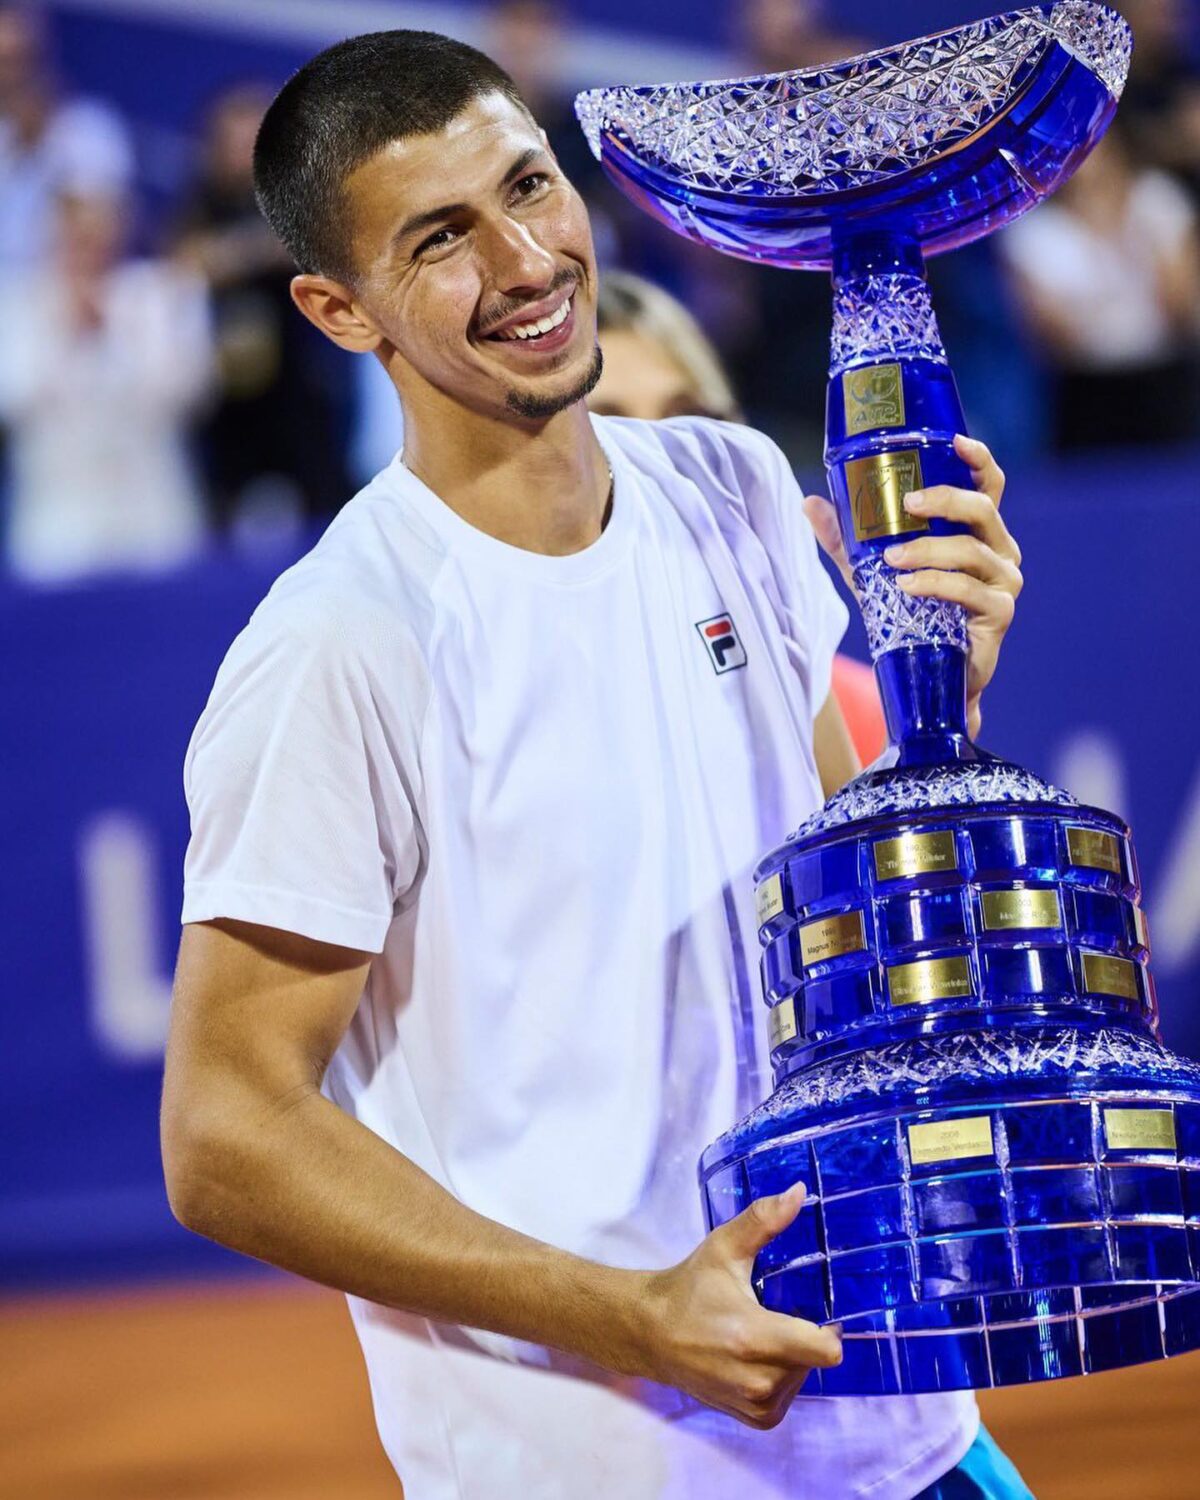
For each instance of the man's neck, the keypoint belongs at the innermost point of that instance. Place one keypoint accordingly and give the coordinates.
(542, 487)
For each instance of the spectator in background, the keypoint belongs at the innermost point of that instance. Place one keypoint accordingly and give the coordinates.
(1160, 107)
(782, 381)
(658, 363)
(780, 35)
(101, 361)
(48, 144)
(1108, 273)
(274, 446)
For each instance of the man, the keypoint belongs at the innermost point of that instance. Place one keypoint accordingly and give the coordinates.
(466, 979)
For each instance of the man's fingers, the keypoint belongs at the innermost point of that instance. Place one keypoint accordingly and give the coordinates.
(969, 509)
(979, 599)
(794, 1343)
(986, 473)
(963, 554)
(744, 1236)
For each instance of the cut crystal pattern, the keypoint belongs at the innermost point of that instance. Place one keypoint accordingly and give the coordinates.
(1098, 37)
(883, 317)
(970, 1057)
(796, 134)
(918, 788)
(894, 618)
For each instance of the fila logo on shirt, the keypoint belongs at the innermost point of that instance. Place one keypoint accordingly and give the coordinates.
(720, 638)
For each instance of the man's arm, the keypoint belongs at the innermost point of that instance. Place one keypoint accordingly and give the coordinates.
(257, 1158)
(837, 759)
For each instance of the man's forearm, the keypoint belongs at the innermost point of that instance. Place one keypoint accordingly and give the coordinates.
(306, 1187)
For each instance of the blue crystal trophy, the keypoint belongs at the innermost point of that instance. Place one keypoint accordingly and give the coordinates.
(1002, 1160)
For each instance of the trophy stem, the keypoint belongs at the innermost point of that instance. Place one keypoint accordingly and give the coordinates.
(891, 416)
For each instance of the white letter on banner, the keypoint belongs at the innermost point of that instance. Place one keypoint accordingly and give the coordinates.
(129, 997)
(1175, 909)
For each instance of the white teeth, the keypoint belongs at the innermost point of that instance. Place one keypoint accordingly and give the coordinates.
(543, 325)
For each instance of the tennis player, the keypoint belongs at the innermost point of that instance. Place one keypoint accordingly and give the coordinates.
(469, 968)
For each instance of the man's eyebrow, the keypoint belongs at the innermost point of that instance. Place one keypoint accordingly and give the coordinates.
(433, 216)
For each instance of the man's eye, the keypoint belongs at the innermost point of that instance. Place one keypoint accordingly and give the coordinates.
(527, 186)
(437, 241)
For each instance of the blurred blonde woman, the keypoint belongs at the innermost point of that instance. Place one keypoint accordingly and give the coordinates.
(659, 363)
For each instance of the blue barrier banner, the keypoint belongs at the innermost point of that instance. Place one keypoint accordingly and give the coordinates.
(1096, 689)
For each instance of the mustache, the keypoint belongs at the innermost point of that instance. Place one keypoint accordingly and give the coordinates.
(513, 305)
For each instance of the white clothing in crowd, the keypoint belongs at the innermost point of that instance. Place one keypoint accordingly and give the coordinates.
(84, 149)
(100, 476)
(1105, 284)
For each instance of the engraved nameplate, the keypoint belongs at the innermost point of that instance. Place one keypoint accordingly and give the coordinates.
(929, 979)
(915, 854)
(1093, 848)
(768, 899)
(1140, 1129)
(876, 486)
(830, 937)
(781, 1023)
(873, 397)
(1105, 975)
(1004, 910)
(950, 1140)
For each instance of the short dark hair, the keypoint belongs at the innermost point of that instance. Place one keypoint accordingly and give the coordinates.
(343, 106)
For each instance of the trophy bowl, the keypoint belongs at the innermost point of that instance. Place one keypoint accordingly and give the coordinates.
(1002, 1159)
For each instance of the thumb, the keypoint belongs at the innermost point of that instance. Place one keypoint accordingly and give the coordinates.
(822, 517)
(746, 1234)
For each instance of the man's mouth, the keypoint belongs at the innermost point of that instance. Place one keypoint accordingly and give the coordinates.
(550, 328)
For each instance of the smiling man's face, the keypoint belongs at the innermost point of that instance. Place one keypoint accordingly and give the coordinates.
(473, 256)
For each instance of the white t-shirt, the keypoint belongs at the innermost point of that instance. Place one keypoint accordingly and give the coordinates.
(524, 783)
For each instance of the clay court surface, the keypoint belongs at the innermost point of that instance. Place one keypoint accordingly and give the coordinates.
(254, 1391)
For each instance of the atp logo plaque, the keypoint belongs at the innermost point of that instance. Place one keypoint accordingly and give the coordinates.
(873, 397)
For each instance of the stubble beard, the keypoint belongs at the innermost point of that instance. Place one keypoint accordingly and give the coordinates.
(538, 408)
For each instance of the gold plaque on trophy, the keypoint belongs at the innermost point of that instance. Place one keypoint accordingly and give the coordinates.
(1093, 848)
(768, 899)
(929, 979)
(877, 485)
(950, 1140)
(830, 937)
(1005, 910)
(915, 854)
(1106, 975)
(873, 396)
(1140, 1129)
(781, 1023)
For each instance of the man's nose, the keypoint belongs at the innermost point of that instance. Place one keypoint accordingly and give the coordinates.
(516, 260)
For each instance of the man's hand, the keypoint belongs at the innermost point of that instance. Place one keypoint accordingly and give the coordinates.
(981, 571)
(259, 1159)
(708, 1336)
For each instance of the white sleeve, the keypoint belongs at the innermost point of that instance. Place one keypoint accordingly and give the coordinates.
(301, 782)
(814, 614)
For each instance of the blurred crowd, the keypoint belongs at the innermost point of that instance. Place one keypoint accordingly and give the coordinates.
(159, 395)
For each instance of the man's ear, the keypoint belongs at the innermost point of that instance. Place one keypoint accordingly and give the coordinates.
(332, 308)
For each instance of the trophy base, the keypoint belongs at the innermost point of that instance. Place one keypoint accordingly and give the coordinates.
(983, 1209)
